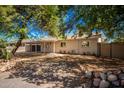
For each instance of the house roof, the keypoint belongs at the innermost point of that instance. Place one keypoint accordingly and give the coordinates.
(40, 40)
(83, 37)
(52, 39)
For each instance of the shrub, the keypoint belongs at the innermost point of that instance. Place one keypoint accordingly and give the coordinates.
(7, 55)
(4, 53)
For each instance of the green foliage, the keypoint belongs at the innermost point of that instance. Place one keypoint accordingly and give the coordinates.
(47, 18)
(107, 18)
(110, 19)
(4, 53)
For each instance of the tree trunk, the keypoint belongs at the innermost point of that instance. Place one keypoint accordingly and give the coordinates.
(17, 46)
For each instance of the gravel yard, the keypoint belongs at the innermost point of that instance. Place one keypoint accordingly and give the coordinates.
(54, 70)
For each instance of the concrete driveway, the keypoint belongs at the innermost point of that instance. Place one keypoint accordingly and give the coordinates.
(6, 82)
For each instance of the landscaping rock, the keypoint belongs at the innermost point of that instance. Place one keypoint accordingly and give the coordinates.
(96, 82)
(109, 72)
(87, 85)
(119, 71)
(105, 71)
(38, 83)
(121, 76)
(104, 84)
(3, 69)
(122, 83)
(116, 83)
(96, 74)
(88, 74)
(39, 71)
(123, 70)
(116, 72)
(112, 77)
(103, 76)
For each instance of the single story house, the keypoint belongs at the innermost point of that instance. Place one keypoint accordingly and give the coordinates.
(78, 45)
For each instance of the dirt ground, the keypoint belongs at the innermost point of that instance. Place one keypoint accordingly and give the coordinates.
(84, 62)
(56, 70)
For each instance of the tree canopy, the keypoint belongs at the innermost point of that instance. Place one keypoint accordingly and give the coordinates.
(14, 20)
(109, 19)
(56, 20)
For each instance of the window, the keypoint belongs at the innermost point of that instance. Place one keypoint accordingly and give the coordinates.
(63, 44)
(38, 48)
(22, 45)
(85, 44)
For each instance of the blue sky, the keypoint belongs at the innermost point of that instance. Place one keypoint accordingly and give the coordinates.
(37, 33)
(69, 16)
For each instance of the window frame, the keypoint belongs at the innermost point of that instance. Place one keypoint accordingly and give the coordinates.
(63, 44)
(85, 44)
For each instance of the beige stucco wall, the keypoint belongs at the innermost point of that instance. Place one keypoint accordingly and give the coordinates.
(45, 47)
(91, 49)
(75, 46)
(27, 48)
(70, 46)
(21, 49)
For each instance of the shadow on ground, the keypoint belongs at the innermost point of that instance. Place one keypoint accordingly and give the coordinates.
(50, 74)
(64, 71)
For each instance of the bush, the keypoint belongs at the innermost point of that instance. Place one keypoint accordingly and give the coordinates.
(7, 55)
(4, 53)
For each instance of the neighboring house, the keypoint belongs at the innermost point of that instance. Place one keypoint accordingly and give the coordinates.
(73, 46)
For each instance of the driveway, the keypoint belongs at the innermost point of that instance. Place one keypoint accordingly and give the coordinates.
(6, 82)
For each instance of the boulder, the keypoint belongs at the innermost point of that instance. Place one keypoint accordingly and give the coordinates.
(121, 76)
(103, 76)
(116, 72)
(123, 70)
(104, 84)
(112, 77)
(88, 74)
(96, 82)
(87, 85)
(109, 72)
(116, 83)
(96, 74)
(119, 71)
(122, 83)
(105, 71)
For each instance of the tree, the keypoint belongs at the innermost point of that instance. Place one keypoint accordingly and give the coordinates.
(4, 53)
(7, 15)
(45, 16)
(14, 20)
(110, 19)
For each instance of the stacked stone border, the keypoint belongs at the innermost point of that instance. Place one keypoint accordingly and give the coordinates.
(105, 79)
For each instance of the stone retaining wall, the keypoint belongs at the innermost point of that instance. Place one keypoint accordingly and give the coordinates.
(105, 79)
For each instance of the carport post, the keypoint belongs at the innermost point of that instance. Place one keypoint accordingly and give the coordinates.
(54, 47)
